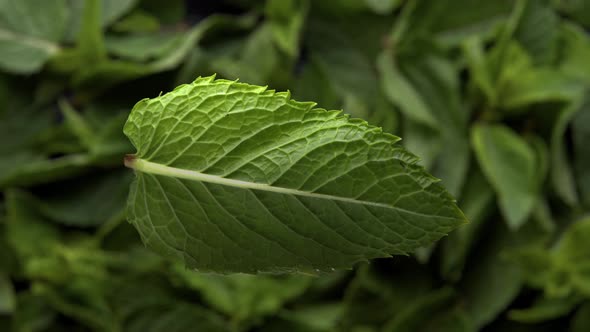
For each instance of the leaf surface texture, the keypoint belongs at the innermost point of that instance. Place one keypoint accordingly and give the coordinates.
(233, 177)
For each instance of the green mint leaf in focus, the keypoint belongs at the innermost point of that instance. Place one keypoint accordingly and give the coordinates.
(232, 177)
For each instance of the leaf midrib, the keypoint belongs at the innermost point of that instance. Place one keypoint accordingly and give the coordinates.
(33, 42)
(144, 166)
(159, 169)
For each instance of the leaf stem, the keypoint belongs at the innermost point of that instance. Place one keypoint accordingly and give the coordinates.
(129, 160)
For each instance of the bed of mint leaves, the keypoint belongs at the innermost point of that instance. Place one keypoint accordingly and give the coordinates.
(494, 96)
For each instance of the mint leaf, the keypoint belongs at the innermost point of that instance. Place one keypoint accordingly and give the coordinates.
(6, 295)
(477, 203)
(411, 318)
(450, 21)
(563, 271)
(108, 12)
(577, 9)
(30, 32)
(380, 291)
(436, 79)
(37, 150)
(244, 298)
(538, 31)
(545, 309)
(479, 66)
(581, 321)
(581, 133)
(402, 93)
(142, 47)
(111, 71)
(223, 166)
(383, 7)
(256, 51)
(69, 205)
(337, 53)
(492, 96)
(286, 21)
(561, 173)
(576, 49)
(137, 21)
(510, 165)
(539, 85)
(145, 304)
(492, 282)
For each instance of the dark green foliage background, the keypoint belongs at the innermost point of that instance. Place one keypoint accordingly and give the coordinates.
(494, 96)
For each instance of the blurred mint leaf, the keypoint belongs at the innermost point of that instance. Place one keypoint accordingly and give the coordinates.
(477, 202)
(520, 83)
(90, 40)
(564, 270)
(27, 230)
(575, 51)
(538, 31)
(22, 127)
(274, 145)
(143, 303)
(7, 297)
(39, 150)
(577, 9)
(70, 202)
(380, 292)
(510, 166)
(433, 304)
(478, 64)
(562, 176)
(113, 9)
(317, 317)
(28, 168)
(178, 317)
(545, 309)
(490, 281)
(383, 7)
(538, 85)
(32, 313)
(336, 54)
(314, 83)
(28, 136)
(436, 80)
(111, 71)
(572, 254)
(581, 320)
(256, 60)
(169, 12)
(137, 21)
(581, 135)
(451, 21)
(246, 299)
(89, 48)
(143, 47)
(402, 93)
(108, 12)
(30, 32)
(286, 19)
(82, 300)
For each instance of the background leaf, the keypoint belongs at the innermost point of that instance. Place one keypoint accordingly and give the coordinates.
(510, 166)
(30, 32)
